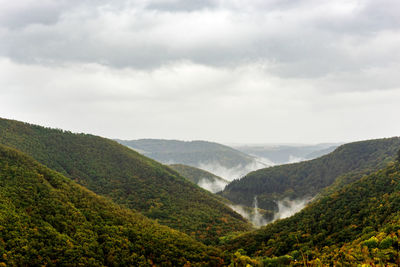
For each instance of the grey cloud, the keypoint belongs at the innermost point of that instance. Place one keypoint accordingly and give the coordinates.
(39, 14)
(19, 14)
(305, 39)
(187, 101)
(233, 71)
(365, 18)
(181, 5)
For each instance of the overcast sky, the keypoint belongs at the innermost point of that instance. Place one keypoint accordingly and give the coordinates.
(233, 71)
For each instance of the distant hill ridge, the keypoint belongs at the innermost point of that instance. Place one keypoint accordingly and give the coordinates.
(128, 178)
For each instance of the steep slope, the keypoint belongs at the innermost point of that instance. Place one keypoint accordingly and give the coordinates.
(47, 219)
(360, 223)
(306, 179)
(128, 178)
(218, 159)
(200, 177)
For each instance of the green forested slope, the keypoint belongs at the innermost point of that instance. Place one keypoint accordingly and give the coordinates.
(47, 219)
(308, 178)
(115, 171)
(360, 223)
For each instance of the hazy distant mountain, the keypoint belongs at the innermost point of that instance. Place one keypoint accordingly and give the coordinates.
(218, 159)
(281, 154)
(200, 177)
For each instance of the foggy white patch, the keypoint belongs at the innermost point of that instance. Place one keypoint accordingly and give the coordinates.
(213, 187)
(258, 219)
(231, 174)
(239, 209)
(254, 217)
(140, 151)
(288, 207)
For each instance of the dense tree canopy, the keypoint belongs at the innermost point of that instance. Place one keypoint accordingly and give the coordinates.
(128, 178)
(360, 223)
(47, 219)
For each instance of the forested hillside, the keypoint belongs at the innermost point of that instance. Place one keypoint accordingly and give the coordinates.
(128, 178)
(307, 179)
(358, 224)
(200, 177)
(47, 219)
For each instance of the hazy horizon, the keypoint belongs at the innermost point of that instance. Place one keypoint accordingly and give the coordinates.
(223, 142)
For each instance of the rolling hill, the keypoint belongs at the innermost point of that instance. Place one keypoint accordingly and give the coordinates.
(128, 178)
(307, 179)
(218, 159)
(200, 177)
(47, 219)
(359, 224)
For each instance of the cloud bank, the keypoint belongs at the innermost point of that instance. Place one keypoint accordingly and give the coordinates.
(213, 187)
(286, 208)
(233, 173)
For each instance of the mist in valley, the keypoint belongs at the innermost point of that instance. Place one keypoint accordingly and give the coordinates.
(251, 214)
(277, 154)
(286, 208)
(233, 173)
(214, 186)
